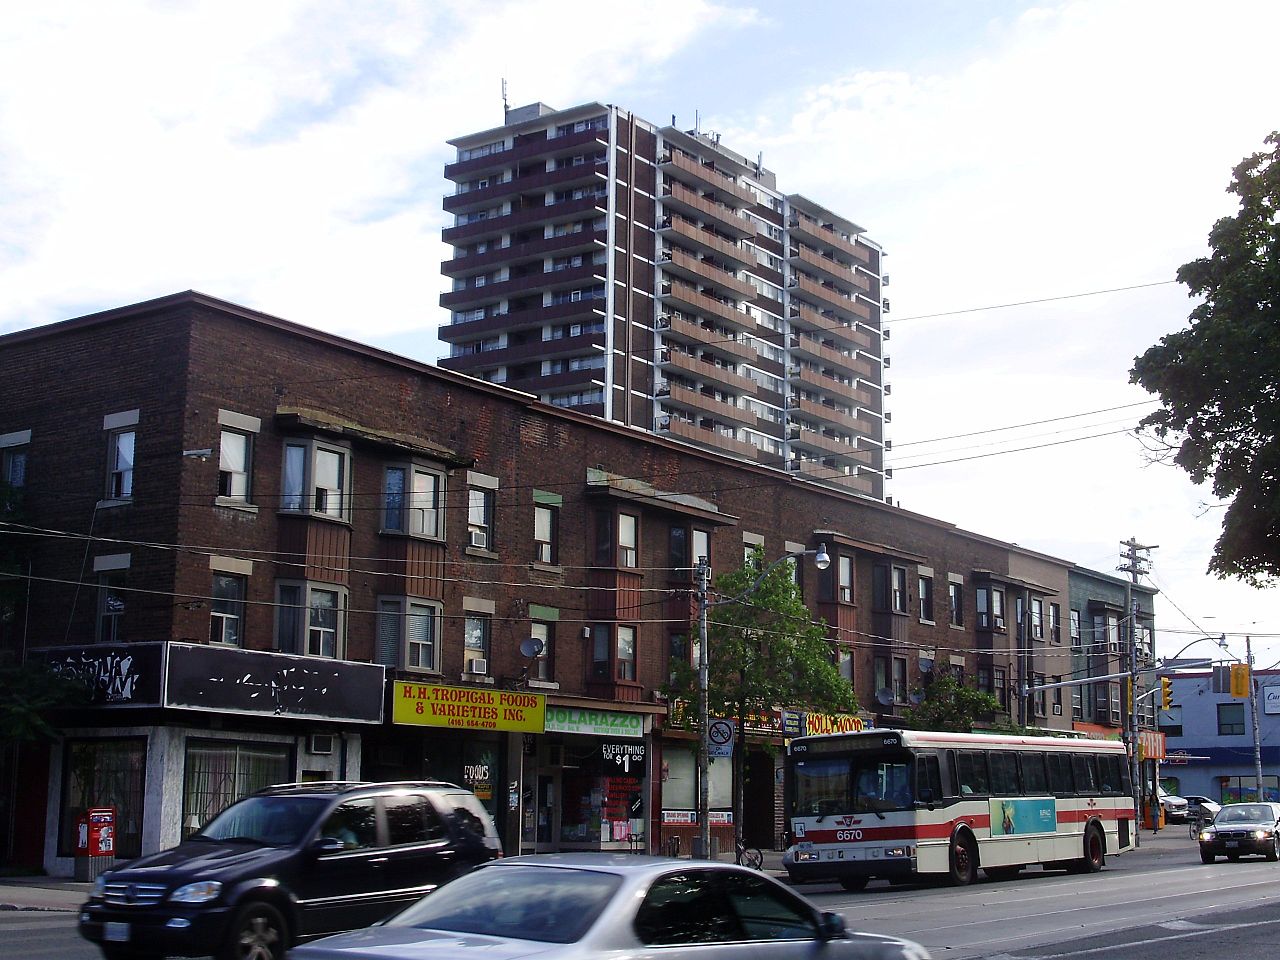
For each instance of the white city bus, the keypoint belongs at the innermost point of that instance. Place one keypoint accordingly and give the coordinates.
(901, 803)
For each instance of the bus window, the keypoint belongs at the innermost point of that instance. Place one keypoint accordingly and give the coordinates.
(1086, 772)
(1111, 773)
(1034, 777)
(928, 778)
(1004, 772)
(821, 787)
(972, 773)
(1060, 779)
(953, 787)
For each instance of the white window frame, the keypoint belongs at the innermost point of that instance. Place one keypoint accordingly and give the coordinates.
(626, 666)
(14, 459)
(302, 494)
(421, 510)
(543, 665)
(234, 484)
(107, 628)
(394, 624)
(232, 612)
(844, 564)
(925, 600)
(477, 641)
(628, 530)
(120, 465)
(304, 640)
(546, 524)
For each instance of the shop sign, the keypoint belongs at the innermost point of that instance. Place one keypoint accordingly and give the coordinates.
(721, 817)
(679, 816)
(113, 675)
(821, 723)
(627, 756)
(1271, 699)
(467, 708)
(594, 723)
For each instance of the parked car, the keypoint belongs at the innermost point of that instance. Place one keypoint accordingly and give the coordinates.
(1175, 807)
(1202, 808)
(593, 905)
(288, 863)
(1242, 828)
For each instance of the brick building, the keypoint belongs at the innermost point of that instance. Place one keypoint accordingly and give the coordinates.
(276, 554)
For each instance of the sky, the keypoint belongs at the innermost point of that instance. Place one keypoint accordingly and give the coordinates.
(288, 156)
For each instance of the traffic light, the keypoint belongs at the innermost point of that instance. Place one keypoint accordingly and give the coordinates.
(1240, 680)
(1166, 693)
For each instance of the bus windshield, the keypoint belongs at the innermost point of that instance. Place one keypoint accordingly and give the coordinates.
(831, 786)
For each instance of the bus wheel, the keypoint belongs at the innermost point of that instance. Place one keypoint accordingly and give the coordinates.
(964, 862)
(1002, 873)
(854, 884)
(1095, 851)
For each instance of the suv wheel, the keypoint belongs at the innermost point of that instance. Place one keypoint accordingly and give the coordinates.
(257, 933)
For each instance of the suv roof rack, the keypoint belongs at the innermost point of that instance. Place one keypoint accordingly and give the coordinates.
(355, 784)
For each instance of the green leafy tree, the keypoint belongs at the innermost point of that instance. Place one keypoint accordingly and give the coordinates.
(1219, 379)
(28, 693)
(764, 651)
(947, 704)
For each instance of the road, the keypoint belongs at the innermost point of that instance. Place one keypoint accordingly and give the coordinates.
(1162, 905)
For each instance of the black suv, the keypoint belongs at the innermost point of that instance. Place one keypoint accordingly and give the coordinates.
(289, 863)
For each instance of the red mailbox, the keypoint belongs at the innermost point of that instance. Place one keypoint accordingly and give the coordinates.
(96, 832)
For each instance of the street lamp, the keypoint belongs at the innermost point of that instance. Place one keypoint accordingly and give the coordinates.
(821, 560)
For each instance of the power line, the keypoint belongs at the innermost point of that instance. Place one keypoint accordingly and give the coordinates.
(1029, 423)
(998, 453)
(1027, 303)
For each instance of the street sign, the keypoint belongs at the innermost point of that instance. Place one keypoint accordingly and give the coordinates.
(720, 739)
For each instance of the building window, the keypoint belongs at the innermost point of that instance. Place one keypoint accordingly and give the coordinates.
(120, 454)
(543, 666)
(846, 579)
(216, 774)
(1000, 680)
(899, 680)
(104, 773)
(411, 500)
(955, 592)
(475, 652)
(899, 590)
(546, 539)
(480, 518)
(13, 465)
(316, 480)
(677, 652)
(1057, 698)
(880, 666)
(234, 459)
(990, 608)
(310, 619)
(226, 618)
(1037, 618)
(628, 532)
(926, 599)
(1073, 627)
(111, 606)
(407, 632)
(1055, 623)
(600, 642)
(1231, 719)
(984, 680)
(1077, 703)
(626, 653)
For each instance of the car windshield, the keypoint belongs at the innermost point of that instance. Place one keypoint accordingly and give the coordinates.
(1245, 813)
(274, 821)
(548, 904)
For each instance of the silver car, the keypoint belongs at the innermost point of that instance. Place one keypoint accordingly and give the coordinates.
(597, 905)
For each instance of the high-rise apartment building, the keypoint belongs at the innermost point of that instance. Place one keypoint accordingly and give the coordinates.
(651, 276)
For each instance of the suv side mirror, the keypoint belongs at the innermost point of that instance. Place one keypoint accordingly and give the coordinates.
(831, 926)
(322, 845)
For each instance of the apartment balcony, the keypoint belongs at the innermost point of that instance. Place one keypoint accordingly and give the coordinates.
(830, 415)
(832, 298)
(539, 383)
(687, 297)
(825, 237)
(703, 239)
(542, 280)
(699, 404)
(676, 327)
(831, 386)
(705, 437)
(686, 265)
(812, 349)
(526, 148)
(677, 196)
(686, 168)
(831, 268)
(805, 317)
(847, 450)
(706, 372)
(565, 245)
(583, 311)
(542, 180)
(508, 222)
(832, 475)
(528, 351)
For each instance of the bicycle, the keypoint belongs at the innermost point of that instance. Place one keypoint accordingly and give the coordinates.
(750, 857)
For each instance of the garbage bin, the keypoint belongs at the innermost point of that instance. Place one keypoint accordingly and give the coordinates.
(95, 842)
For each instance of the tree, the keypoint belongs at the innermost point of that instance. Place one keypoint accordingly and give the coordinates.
(947, 704)
(764, 651)
(1219, 379)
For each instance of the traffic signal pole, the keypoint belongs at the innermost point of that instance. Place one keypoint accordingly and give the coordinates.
(1253, 709)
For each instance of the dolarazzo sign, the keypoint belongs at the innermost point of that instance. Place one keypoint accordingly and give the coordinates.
(467, 708)
(595, 723)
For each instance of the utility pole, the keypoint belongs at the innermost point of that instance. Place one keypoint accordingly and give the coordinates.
(1134, 561)
(1253, 709)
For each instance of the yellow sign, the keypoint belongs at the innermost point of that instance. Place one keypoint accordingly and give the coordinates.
(467, 708)
(819, 723)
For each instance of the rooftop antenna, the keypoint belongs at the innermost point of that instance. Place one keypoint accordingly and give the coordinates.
(506, 109)
(759, 161)
(697, 123)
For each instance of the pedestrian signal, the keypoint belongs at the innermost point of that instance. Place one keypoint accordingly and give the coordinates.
(1240, 680)
(1166, 693)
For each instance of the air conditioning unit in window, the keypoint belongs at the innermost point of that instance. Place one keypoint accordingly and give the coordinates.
(320, 744)
(663, 423)
(1057, 709)
(480, 538)
(478, 665)
(999, 622)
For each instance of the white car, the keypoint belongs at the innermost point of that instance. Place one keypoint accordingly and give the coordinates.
(1202, 807)
(1175, 808)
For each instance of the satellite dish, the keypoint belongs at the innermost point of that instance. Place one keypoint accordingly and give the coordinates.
(884, 697)
(926, 664)
(915, 699)
(531, 647)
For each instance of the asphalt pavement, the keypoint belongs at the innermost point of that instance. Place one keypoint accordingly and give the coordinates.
(65, 894)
